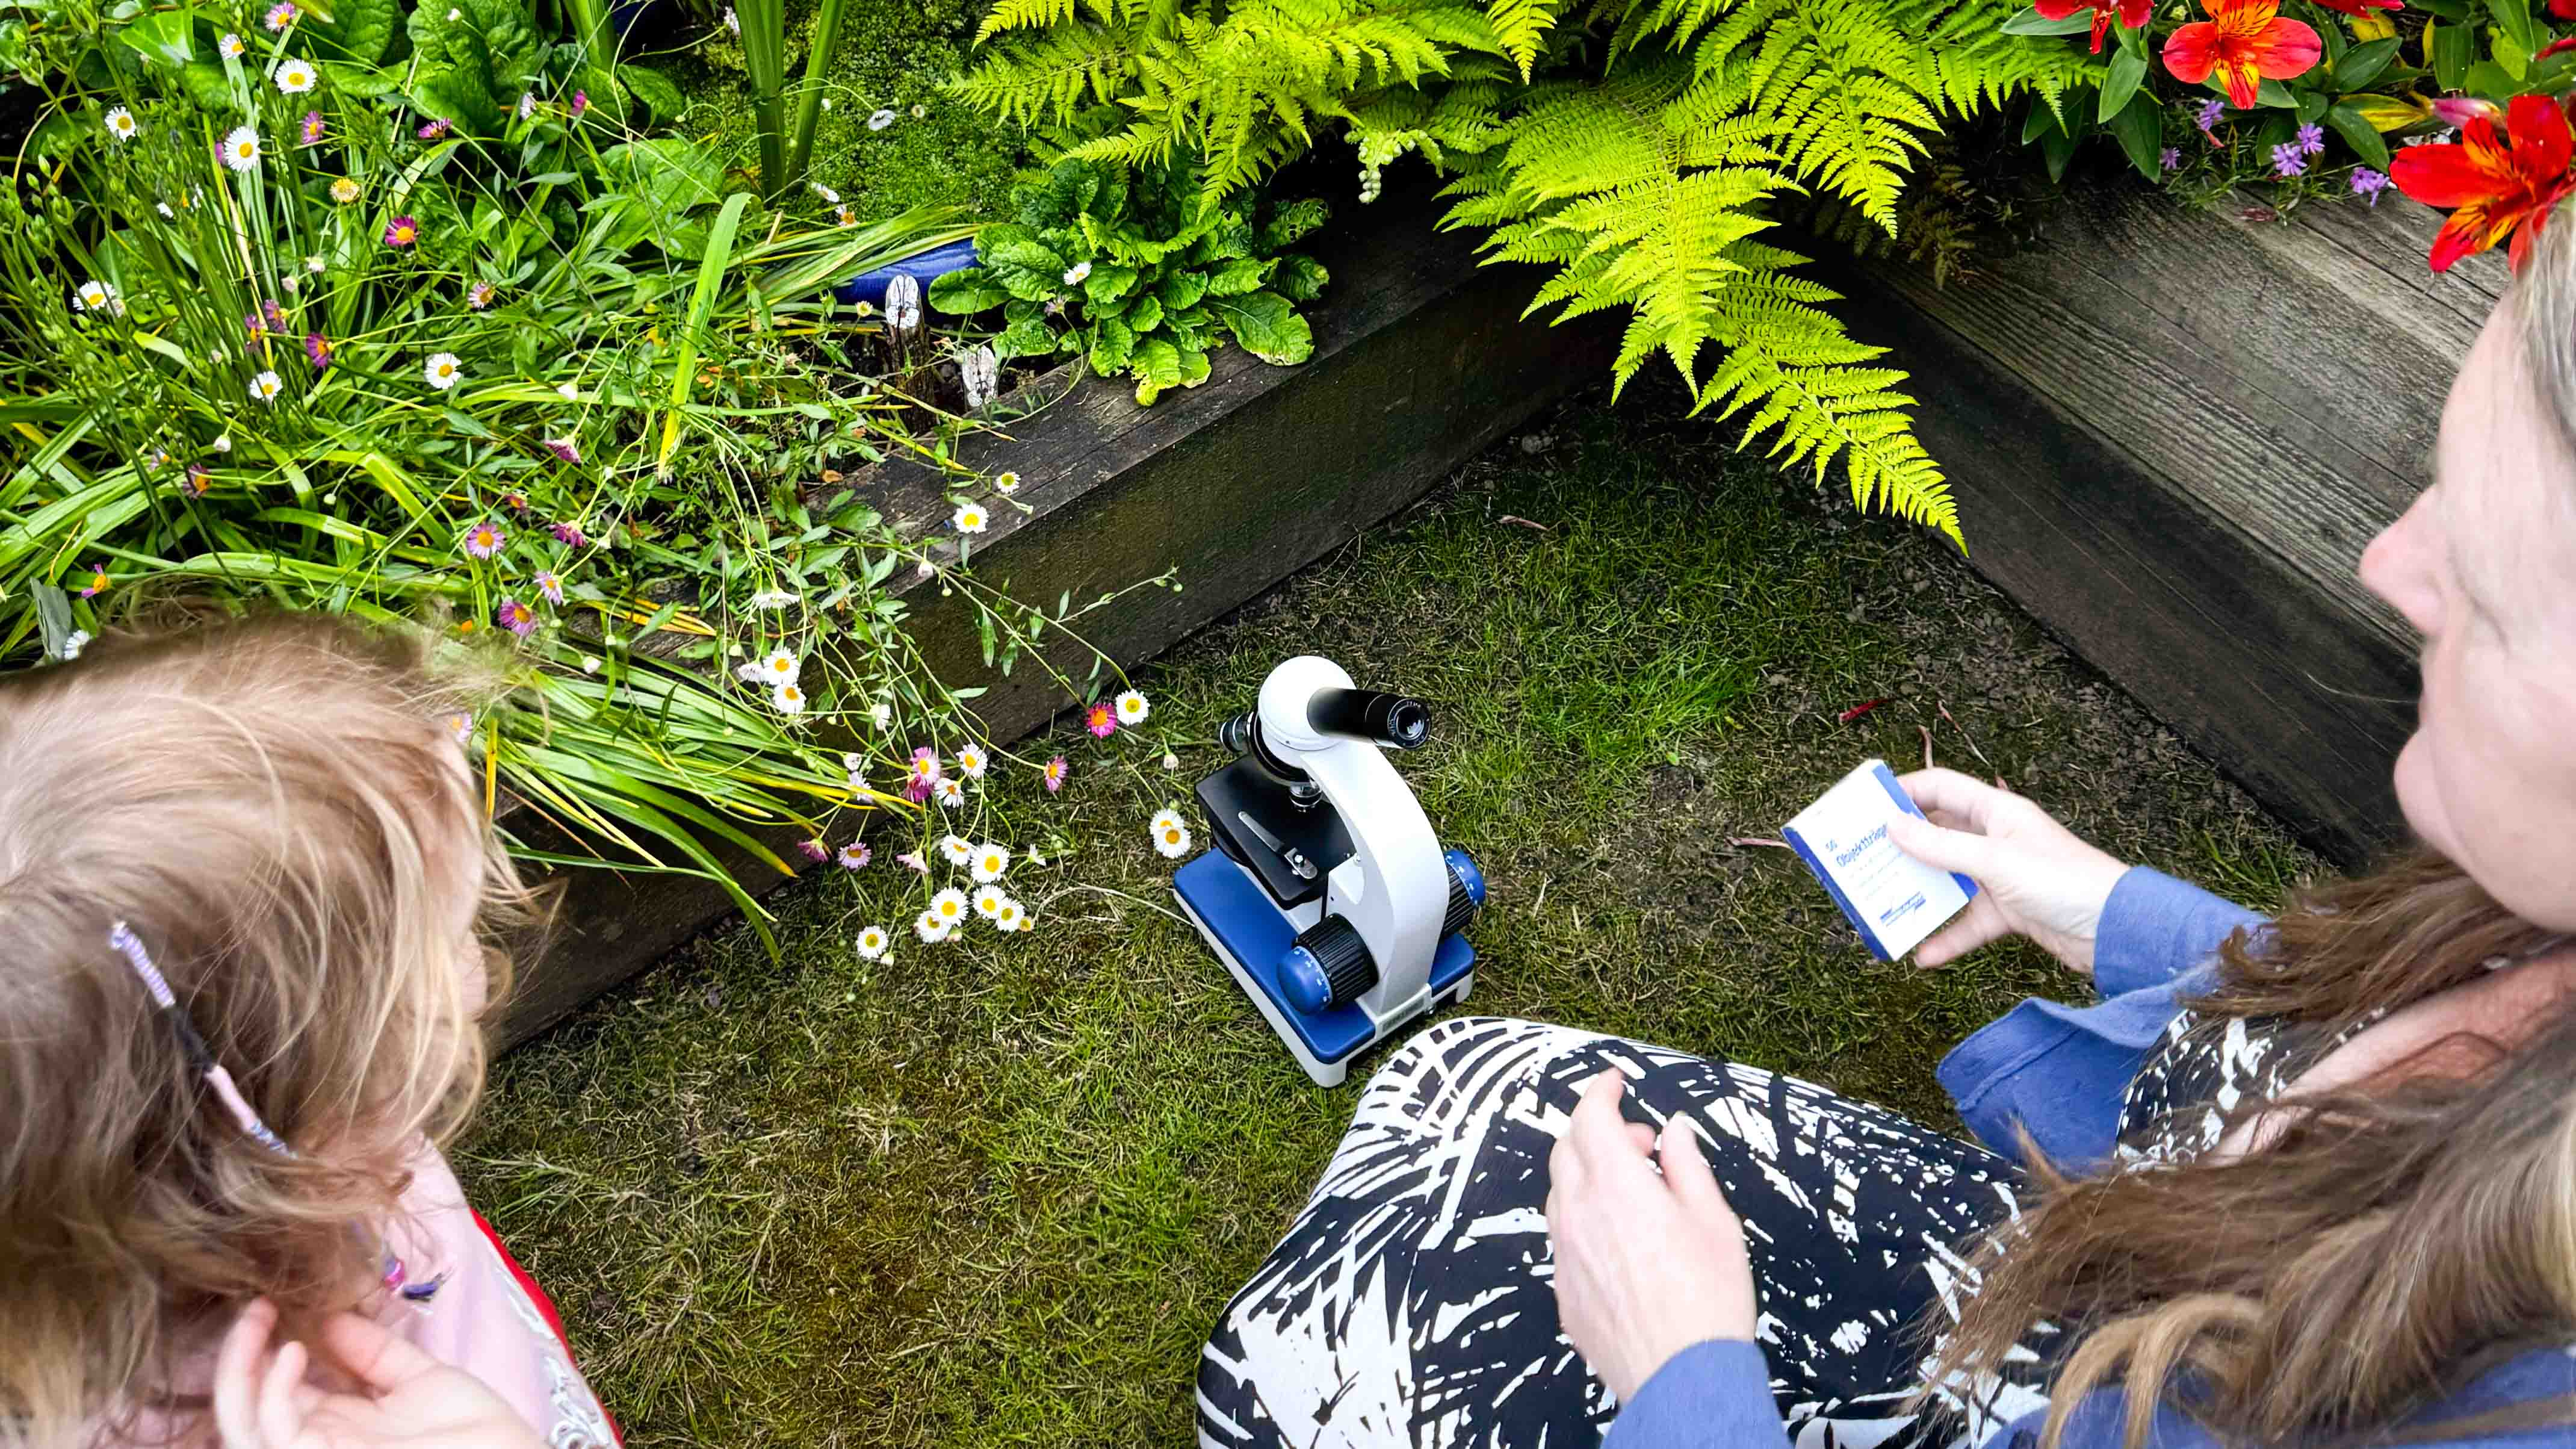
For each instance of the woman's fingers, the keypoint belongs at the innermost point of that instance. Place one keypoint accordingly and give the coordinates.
(1947, 792)
(280, 1422)
(1979, 857)
(1687, 1173)
(237, 1366)
(1981, 924)
(1596, 1129)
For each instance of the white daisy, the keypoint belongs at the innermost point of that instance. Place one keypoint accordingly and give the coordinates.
(527, 104)
(880, 119)
(567, 391)
(231, 45)
(1171, 835)
(441, 372)
(223, 443)
(988, 899)
(1171, 761)
(1132, 709)
(1074, 274)
(971, 518)
(881, 714)
(1009, 915)
(778, 666)
(265, 387)
(167, 214)
(1006, 484)
(241, 148)
(853, 761)
(957, 848)
(950, 791)
(122, 125)
(872, 942)
(789, 697)
(772, 599)
(971, 762)
(949, 906)
(830, 197)
(73, 643)
(733, 22)
(294, 77)
(990, 861)
(930, 928)
(98, 296)
(313, 264)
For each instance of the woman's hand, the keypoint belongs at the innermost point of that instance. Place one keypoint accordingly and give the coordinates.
(406, 1399)
(1646, 1265)
(2034, 877)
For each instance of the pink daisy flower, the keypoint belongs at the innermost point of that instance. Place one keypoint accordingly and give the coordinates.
(317, 350)
(564, 448)
(281, 15)
(436, 129)
(485, 539)
(568, 534)
(310, 131)
(402, 231)
(514, 616)
(922, 775)
(815, 850)
(1101, 719)
(1055, 773)
(912, 859)
(580, 102)
(855, 854)
(199, 480)
(96, 582)
(479, 296)
(550, 586)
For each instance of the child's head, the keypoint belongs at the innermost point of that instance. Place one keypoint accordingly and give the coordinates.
(280, 810)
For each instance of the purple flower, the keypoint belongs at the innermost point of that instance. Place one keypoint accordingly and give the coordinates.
(282, 14)
(2312, 139)
(199, 480)
(514, 616)
(311, 131)
(2366, 182)
(252, 322)
(568, 534)
(2212, 111)
(855, 855)
(2288, 160)
(317, 350)
(479, 296)
(815, 850)
(550, 586)
(580, 102)
(485, 539)
(275, 317)
(436, 129)
(2171, 160)
(402, 231)
(565, 448)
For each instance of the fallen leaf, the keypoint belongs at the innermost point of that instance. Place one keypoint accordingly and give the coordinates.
(1856, 711)
(1523, 522)
(1765, 841)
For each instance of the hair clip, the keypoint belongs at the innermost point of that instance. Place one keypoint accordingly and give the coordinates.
(219, 1081)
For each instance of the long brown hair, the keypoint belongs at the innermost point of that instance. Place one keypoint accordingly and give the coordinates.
(277, 809)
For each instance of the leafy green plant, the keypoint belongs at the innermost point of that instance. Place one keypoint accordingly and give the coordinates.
(546, 388)
(786, 144)
(1146, 276)
(1637, 148)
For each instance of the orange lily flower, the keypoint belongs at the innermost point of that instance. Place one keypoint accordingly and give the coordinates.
(2131, 13)
(2246, 42)
(2493, 186)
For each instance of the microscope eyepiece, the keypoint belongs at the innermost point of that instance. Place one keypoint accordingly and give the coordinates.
(1397, 720)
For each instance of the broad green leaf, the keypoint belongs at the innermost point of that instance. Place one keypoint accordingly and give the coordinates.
(2031, 22)
(2363, 63)
(2384, 113)
(1194, 367)
(1157, 366)
(658, 93)
(1268, 326)
(166, 37)
(1238, 277)
(1029, 255)
(364, 81)
(2453, 49)
(1113, 345)
(2128, 68)
(356, 30)
(666, 175)
(1183, 289)
(1028, 337)
(207, 85)
(2517, 28)
(2358, 133)
(1300, 278)
(1109, 282)
(2140, 130)
(966, 291)
(1145, 313)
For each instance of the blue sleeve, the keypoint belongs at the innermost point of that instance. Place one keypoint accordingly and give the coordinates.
(1713, 1395)
(2154, 928)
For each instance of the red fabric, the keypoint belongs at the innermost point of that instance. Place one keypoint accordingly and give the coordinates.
(545, 1305)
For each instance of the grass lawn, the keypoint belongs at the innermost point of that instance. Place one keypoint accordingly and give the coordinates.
(996, 1194)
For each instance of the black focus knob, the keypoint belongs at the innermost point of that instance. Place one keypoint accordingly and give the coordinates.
(1329, 965)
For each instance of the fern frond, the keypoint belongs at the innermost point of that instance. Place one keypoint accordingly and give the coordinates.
(1521, 27)
(1977, 66)
(1800, 376)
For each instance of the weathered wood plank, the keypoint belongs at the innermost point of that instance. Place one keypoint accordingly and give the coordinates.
(1420, 361)
(2172, 433)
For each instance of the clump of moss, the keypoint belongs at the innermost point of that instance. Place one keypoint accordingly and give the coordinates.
(893, 55)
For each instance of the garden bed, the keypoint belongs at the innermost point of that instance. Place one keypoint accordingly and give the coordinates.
(2172, 433)
(1419, 361)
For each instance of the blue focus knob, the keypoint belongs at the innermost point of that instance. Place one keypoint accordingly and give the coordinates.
(1466, 891)
(1329, 965)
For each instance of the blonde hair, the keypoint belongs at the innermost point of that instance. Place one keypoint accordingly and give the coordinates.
(278, 810)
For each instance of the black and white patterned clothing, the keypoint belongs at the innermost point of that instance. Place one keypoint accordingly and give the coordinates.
(2190, 1087)
(1412, 1302)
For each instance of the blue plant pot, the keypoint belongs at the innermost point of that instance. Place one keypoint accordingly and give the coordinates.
(923, 267)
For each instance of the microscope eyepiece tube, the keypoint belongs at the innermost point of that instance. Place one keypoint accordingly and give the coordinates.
(1397, 720)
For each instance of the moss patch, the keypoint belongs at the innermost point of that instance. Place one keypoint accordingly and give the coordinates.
(998, 1194)
(893, 55)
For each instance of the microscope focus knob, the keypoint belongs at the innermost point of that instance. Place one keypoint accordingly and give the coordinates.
(1329, 965)
(1466, 891)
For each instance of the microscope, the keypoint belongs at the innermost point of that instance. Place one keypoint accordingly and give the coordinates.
(1327, 894)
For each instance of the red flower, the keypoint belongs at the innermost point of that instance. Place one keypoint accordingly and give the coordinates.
(2359, 8)
(2562, 9)
(2132, 13)
(2245, 42)
(2492, 185)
